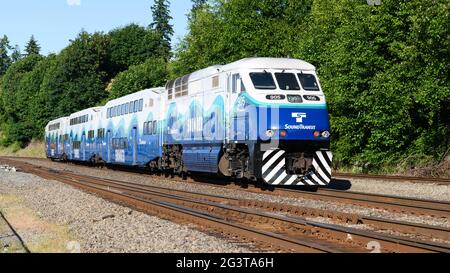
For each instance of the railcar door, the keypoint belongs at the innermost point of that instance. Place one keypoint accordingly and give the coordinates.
(48, 146)
(134, 143)
(108, 145)
(235, 119)
(83, 145)
(57, 146)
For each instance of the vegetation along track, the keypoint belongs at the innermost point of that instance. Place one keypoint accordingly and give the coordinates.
(244, 219)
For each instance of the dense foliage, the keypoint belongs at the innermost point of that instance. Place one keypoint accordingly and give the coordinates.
(385, 69)
(36, 89)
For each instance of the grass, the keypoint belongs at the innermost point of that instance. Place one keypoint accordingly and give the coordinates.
(424, 166)
(40, 236)
(34, 149)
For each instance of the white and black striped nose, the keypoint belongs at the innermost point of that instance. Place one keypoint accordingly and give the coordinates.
(274, 169)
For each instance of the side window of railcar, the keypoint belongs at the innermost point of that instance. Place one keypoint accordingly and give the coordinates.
(236, 79)
(76, 144)
(287, 81)
(263, 80)
(150, 128)
(234, 83)
(136, 106)
(155, 127)
(141, 105)
(131, 107)
(178, 88)
(309, 82)
(169, 87)
(126, 108)
(145, 128)
(185, 86)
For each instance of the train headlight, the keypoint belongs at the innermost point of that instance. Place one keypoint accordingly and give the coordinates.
(283, 133)
(326, 134)
(270, 133)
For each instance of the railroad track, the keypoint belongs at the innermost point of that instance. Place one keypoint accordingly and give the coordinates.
(399, 178)
(420, 207)
(244, 219)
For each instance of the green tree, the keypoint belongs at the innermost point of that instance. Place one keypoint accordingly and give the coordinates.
(131, 45)
(247, 28)
(78, 78)
(152, 73)
(382, 69)
(5, 60)
(161, 24)
(16, 100)
(16, 55)
(32, 47)
(197, 4)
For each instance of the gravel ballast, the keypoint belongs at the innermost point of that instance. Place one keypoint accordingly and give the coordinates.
(101, 226)
(427, 192)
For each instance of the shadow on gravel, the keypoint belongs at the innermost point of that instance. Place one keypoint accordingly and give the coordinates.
(340, 184)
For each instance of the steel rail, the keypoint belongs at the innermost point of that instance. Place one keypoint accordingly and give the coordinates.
(389, 242)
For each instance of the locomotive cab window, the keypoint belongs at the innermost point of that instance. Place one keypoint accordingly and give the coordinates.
(287, 81)
(309, 82)
(237, 85)
(263, 80)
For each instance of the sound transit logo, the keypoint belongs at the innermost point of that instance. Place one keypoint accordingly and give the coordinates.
(299, 117)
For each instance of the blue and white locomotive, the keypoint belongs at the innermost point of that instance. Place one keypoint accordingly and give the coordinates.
(264, 119)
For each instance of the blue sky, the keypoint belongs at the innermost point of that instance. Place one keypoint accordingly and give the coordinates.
(55, 22)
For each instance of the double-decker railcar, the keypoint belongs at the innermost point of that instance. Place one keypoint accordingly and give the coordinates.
(55, 133)
(264, 119)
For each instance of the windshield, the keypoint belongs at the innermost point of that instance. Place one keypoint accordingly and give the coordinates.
(309, 82)
(263, 80)
(287, 81)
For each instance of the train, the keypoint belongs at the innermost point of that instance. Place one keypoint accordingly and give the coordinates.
(258, 119)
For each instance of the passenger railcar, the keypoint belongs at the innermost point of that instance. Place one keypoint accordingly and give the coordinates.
(264, 119)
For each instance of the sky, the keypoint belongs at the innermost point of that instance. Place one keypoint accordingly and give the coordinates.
(55, 22)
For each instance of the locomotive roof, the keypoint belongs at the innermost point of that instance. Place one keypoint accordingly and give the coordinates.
(254, 63)
(56, 121)
(87, 111)
(158, 90)
(269, 63)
